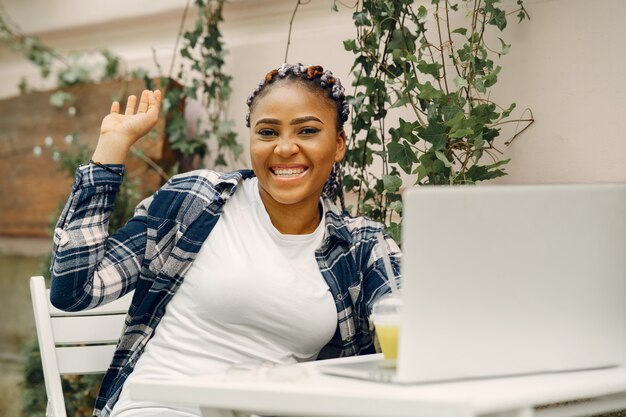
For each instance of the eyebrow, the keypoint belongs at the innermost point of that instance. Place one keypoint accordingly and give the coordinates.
(299, 120)
(296, 121)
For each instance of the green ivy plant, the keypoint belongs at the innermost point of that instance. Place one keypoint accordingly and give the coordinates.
(442, 78)
(72, 69)
(201, 77)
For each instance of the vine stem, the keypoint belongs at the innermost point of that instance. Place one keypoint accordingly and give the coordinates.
(456, 65)
(529, 122)
(180, 32)
(293, 16)
(149, 162)
(443, 55)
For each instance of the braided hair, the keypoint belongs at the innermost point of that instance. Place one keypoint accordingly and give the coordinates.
(317, 80)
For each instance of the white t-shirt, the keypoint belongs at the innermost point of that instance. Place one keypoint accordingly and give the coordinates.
(252, 294)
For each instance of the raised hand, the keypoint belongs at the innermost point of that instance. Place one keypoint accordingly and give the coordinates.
(119, 132)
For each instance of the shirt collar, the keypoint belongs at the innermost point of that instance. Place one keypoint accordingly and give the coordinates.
(335, 224)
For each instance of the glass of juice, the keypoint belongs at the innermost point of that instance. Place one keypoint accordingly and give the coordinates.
(386, 318)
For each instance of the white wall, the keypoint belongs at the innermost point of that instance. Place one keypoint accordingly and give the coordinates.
(568, 64)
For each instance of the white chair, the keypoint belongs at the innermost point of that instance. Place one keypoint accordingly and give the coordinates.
(73, 343)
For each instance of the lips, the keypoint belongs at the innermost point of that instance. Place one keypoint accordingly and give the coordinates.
(286, 172)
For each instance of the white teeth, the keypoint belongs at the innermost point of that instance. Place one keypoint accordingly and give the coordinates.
(290, 171)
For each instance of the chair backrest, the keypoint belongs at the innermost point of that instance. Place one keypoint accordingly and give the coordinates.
(74, 342)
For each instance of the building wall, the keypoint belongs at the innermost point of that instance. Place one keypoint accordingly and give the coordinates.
(567, 64)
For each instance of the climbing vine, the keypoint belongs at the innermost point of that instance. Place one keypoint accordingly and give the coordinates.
(433, 65)
(201, 77)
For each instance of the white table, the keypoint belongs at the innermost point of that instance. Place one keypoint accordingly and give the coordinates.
(303, 391)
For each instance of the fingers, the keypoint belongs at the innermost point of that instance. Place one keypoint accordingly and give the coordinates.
(154, 101)
(144, 101)
(150, 101)
(130, 105)
(159, 97)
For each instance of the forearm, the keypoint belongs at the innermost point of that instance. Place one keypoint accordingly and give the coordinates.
(89, 267)
(111, 150)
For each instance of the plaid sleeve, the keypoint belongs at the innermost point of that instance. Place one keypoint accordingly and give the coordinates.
(376, 280)
(89, 267)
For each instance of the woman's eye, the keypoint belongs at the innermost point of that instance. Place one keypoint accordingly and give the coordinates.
(266, 132)
(309, 131)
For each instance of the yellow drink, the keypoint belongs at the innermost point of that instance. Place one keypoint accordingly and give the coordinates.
(388, 338)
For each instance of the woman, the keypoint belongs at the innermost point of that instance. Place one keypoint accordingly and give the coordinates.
(250, 265)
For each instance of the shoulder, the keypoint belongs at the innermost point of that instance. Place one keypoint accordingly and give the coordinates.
(194, 190)
(356, 229)
(361, 226)
(203, 180)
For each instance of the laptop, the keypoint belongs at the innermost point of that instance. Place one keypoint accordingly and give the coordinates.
(504, 280)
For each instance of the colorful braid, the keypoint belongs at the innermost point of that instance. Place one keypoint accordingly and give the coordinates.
(325, 81)
(333, 187)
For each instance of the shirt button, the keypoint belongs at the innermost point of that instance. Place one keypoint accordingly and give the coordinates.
(62, 236)
(339, 297)
(348, 339)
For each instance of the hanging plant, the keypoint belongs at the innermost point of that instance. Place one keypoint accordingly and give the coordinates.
(443, 77)
(201, 77)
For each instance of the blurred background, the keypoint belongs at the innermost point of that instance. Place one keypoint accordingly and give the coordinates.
(567, 63)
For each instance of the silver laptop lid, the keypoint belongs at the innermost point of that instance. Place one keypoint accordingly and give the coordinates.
(501, 280)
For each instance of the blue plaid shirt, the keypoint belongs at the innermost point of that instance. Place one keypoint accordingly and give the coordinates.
(153, 251)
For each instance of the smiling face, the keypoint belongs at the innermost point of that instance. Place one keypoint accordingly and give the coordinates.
(294, 143)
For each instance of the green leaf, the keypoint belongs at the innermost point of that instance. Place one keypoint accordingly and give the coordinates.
(521, 16)
(434, 133)
(402, 154)
(334, 6)
(421, 172)
(460, 31)
(498, 18)
(350, 45)
(440, 155)
(401, 101)
(372, 137)
(486, 172)
(392, 183)
(403, 38)
(429, 92)
(23, 85)
(406, 130)
(484, 113)
(449, 111)
(435, 169)
(429, 69)
(60, 98)
(396, 206)
(111, 66)
(479, 85)
(505, 48)
(508, 111)
(422, 13)
(492, 78)
(395, 231)
(465, 53)
(460, 82)
(361, 18)
(478, 142)
(348, 182)
(460, 126)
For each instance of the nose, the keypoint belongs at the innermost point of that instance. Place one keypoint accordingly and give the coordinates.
(286, 147)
